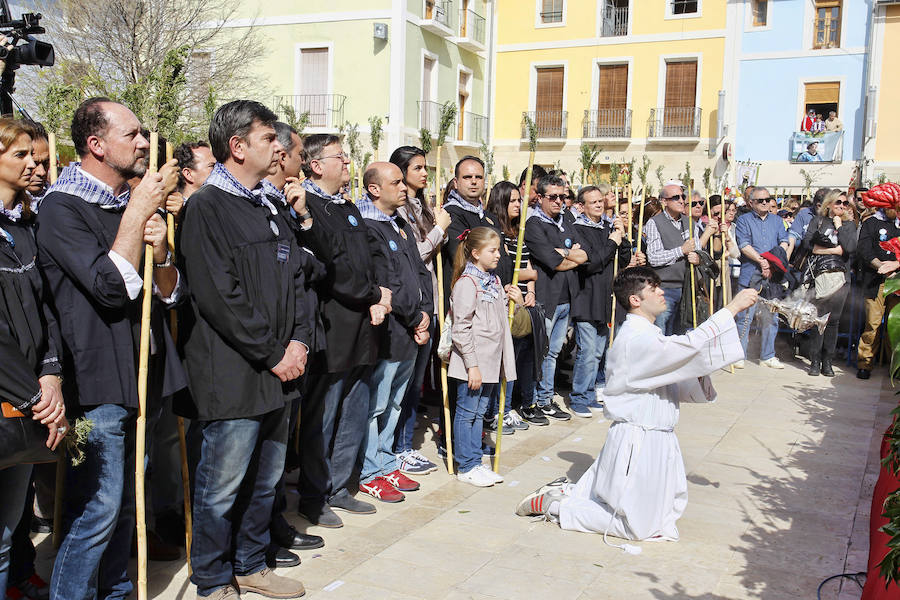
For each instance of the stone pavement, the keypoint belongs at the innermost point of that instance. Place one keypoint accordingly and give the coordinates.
(780, 472)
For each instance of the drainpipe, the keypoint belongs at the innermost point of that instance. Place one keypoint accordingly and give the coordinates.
(491, 65)
(870, 97)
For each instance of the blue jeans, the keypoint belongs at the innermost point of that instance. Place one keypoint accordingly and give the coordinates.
(409, 409)
(524, 352)
(98, 519)
(768, 328)
(241, 461)
(332, 425)
(389, 383)
(471, 406)
(666, 321)
(13, 491)
(556, 332)
(591, 346)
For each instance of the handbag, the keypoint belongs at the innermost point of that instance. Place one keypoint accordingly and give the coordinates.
(521, 323)
(22, 439)
(828, 283)
(445, 343)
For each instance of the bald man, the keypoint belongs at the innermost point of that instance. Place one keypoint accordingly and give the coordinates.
(399, 268)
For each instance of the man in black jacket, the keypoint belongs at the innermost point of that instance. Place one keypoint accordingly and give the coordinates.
(876, 263)
(91, 234)
(333, 413)
(555, 253)
(244, 351)
(399, 268)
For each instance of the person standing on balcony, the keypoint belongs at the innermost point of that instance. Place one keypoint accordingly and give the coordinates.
(832, 123)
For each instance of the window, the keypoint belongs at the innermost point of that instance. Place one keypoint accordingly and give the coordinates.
(313, 86)
(679, 116)
(613, 92)
(551, 11)
(821, 97)
(827, 31)
(615, 18)
(760, 10)
(463, 95)
(685, 7)
(427, 78)
(548, 101)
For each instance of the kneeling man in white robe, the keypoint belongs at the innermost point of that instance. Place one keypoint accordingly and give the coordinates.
(637, 489)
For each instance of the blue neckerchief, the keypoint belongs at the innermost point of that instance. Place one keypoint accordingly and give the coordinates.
(14, 214)
(368, 210)
(883, 217)
(35, 200)
(273, 192)
(310, 186)
(222, 178)
(539, 214)
(454, 199)
(74, 181)
(8, 237)
(583, 219)
(486, 282)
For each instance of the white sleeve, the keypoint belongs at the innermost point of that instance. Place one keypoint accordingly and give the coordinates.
(133, 281)
(176, 291)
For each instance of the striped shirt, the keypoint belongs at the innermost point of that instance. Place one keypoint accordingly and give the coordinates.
(511, 242)
(657, 255)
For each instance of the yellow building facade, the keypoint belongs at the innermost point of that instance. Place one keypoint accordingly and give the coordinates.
(887, 142)
(629, 77)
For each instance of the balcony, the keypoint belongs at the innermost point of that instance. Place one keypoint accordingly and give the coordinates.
(472, 129)
(551, 124)
(615, 20)
(471, 31)
(326, 111)
(437, 18)
(430, 118)
(674, 124)
(607, 124)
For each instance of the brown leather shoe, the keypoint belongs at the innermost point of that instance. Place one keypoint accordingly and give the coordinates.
(223, 593)
(267, 583)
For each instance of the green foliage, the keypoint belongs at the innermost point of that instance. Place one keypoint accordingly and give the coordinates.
(351, 136)
(808, 181)
(707, 179)
(156, 97)
(75, 441)
(506, 173)
(425, 139)
(532, 131)
(628, 174)
(209, 106)
(299, 121)
(686, 179)
(614, 173)
(376, 132)
(642, 173)
(588, 160)
(488, 155)
(367, 159)
(57, 105)
(448, 118)
(659, 176)
(882, 178)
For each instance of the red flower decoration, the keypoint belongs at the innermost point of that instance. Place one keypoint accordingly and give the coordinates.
(892, 245)
(885, 195)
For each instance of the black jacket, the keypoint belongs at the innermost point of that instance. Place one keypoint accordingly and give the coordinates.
(99, 324)
(460, 221)
(339, 238)
(593, 302)
(247, 284)
(542, 239)
(871, 232)
(399, 268)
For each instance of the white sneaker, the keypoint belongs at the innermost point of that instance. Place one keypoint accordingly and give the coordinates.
(773, 363)
(738, 365)
(495, 477)
(476, 477)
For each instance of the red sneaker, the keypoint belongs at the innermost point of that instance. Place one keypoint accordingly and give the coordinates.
(380, 489)
(401, 481)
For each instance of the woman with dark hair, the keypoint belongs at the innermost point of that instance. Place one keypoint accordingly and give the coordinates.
(430, 228)
(506, 203)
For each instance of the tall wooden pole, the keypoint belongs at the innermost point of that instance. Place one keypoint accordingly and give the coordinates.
(143, 375)
(640, 231)
(691, 237)
(712, 283)
(59, 491)
(612, 323)
(439, 271)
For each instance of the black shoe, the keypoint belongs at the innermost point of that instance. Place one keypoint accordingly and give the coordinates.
(351, 505)
(492, 426)
(553, 411)
(320, 515)
(861, 374)
(286, 535)
(814, 368)
(827, 371)
(39, 525)
(532, 415)
(281, 558)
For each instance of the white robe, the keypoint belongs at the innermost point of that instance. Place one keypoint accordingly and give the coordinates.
(637, 489)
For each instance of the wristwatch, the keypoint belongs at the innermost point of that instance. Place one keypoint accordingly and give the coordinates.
(566, 253)
(168, 262)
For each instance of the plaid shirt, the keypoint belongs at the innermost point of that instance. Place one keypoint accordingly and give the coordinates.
(225, 181)
(487, 282)
(368, 210)
(310, 186)
(454, 199)
(76, 182)
(540, 215)
(657, 255)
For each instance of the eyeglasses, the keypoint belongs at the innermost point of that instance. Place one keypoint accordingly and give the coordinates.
(765, 200)
(342, 156)
(842, 203)
(698, 203)
(555, 197)
(681, 197)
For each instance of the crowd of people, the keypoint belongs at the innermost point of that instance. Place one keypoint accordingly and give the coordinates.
(307, 325)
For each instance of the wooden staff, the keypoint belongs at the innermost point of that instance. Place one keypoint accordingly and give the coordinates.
(628, 195)
(523, 215)
(182, 438)
(712, 283)
(143, 375)
(640, 231)
(59, 491)
(726, 272)
(439, 272)
(612, 324)
(691, 237)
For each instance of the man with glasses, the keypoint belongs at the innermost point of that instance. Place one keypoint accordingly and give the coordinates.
(669, 250)
(335, 410)
(758, 232)
(555, 253)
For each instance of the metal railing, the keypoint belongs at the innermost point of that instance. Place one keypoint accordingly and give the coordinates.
(471, 25)
(474, 127)
(615, 20)
(430, 117)
(325, 110)
(551, 124)
(438, 11)
(673, 122)
(607, 123)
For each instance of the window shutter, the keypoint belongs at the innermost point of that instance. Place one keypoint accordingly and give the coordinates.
(549, 93)
(681, 84)
(823, 93)
(613, 92)
(314, 85)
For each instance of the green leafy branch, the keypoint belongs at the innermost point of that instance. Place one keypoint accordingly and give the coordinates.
(531, 131)
(448, 118)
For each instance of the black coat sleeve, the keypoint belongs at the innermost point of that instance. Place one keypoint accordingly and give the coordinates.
(600, 252)
(847, 238)
(217, 292)
(19, 385)
(541, 247)
(866, 245)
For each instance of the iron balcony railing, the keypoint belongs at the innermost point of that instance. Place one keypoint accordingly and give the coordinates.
(607, 123)
(325, 110)
(430, 118)
(551, 124)
(439, 11)
(474, 128)
(471, 25)
(674, 122)
(615, 20)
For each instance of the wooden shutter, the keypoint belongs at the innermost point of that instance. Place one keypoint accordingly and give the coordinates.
(613, 92)
(549, 93)
(823, 93)
(314, 85)
(681, 84)
(427, 78)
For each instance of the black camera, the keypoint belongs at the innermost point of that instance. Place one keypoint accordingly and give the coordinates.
(32, 52)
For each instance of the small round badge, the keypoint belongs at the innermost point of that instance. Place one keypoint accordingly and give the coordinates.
(274, 227)
(393, 245)
(568, 242)
(352, 220)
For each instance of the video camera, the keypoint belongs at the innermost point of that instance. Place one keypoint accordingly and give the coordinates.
(32, 52)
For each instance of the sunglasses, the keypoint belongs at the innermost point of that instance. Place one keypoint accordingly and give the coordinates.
(765, 200)
(698, 203)
(556, 197)
(842, 203)
(681, 197)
